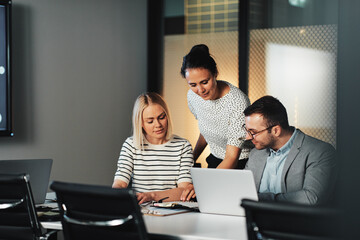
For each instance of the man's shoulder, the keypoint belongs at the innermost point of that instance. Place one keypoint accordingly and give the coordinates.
(257, 159)
(306, 141)
(259, 153)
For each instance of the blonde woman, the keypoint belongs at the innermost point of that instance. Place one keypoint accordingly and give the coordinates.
(157, 161)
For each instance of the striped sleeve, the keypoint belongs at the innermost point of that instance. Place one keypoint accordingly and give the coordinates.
(186, 162)
(125, 165)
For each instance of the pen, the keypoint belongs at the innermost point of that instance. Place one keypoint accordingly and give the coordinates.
(160, 201)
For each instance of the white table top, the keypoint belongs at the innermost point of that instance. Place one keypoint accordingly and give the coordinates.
(192, 225)
(188, 226)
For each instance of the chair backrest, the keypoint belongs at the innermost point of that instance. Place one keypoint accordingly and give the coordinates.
(290, 221)
(98, 212)
(18, 218)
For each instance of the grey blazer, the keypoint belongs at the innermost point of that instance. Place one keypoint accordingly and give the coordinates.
(308, 175)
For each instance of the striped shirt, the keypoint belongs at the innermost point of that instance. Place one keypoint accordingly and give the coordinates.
(156, 167)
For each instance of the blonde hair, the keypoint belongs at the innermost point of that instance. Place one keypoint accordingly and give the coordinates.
(142, 102)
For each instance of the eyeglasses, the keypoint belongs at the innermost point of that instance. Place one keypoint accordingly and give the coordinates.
(256, 133)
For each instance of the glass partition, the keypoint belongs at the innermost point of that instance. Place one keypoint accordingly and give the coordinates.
(212, 22)
(292, 56)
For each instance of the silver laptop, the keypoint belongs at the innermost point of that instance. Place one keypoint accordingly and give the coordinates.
(38, 170)
(220, 191)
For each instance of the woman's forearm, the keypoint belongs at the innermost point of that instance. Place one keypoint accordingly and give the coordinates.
(119, 184)
(166, 195)
(231, 158)
(199, 147)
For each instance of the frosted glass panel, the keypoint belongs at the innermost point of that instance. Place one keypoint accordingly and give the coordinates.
(300, 83)
(298, 66)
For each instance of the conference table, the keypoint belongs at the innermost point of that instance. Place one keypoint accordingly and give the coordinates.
(188, 226)
(195, 225)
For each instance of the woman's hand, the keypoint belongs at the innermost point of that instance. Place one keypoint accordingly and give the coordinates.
(188, 193)
(145, 197)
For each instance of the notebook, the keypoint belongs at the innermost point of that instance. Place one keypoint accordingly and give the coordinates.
(162, 211)
(38, 170)
(220, 191)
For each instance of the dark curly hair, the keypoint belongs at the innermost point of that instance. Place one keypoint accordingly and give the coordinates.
(199, 57)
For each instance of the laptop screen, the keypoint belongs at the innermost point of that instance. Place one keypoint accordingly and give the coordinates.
(220, 191)
(38, 170)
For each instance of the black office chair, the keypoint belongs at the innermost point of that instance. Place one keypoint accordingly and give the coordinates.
(272, 220)
(98, 212)
(18, 217)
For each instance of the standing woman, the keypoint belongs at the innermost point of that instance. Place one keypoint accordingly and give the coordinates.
(218, 106)
(157, 161)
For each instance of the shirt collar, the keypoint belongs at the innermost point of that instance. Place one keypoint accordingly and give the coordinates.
(287, 145)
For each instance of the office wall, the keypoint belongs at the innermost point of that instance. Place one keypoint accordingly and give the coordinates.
(77, 69)
(348, 113)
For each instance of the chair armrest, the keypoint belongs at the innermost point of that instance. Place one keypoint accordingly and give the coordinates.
(50, 235)
(10, 205)
(108, 223)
